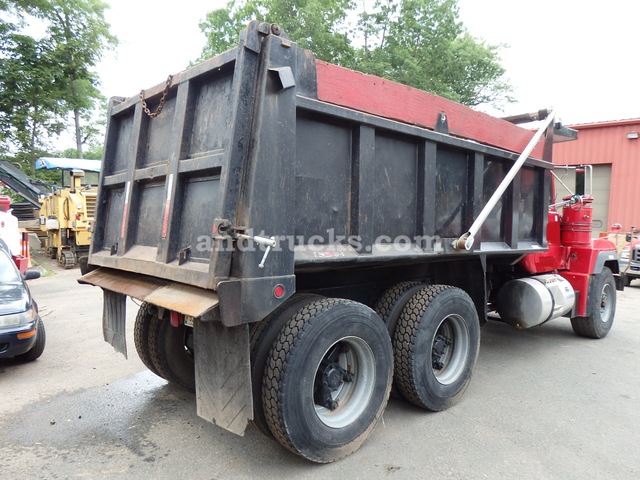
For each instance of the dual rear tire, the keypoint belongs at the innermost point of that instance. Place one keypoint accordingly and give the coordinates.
(322, 368)
(329, 371)
(164, 349)
(436, 343)
(435, 334)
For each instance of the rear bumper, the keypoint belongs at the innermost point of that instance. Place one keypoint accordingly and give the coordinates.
(185, 299)
(11, 345)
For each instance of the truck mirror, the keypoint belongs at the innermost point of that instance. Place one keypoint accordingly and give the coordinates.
(629, 237)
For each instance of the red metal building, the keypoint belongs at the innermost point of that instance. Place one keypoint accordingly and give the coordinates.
(613, 148)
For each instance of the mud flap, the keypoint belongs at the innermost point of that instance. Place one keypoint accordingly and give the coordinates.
(223, 374)
(114, 310)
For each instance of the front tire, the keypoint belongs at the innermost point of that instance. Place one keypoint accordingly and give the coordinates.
(601, 307)
(38, 348)
(327, 379)
(436, 346)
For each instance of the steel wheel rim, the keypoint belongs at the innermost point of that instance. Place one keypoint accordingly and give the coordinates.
(454, 356)
(605, 303)
(354, 396)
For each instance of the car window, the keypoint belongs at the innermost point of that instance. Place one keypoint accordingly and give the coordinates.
(8, 271)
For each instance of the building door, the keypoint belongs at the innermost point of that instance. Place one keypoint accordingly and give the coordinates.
(575, 183)
(601, 190)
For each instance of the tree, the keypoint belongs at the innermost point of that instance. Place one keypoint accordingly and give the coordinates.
(30, 106)
(51, 77)
(416, 42)
(80, 35)
(421, 43)
(319, 25)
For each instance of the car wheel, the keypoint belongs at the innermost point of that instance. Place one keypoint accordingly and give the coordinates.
(38, 347)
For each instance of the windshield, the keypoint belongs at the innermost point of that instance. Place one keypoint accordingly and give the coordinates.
(8, 271)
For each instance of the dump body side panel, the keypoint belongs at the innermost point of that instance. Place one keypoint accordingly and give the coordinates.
(370, 189)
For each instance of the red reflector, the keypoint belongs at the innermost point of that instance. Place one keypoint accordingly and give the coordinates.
(278, 291)
(176, 319)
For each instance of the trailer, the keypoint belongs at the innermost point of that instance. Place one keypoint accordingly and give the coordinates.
(303, 237)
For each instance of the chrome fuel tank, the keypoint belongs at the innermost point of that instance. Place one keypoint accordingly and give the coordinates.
(531, 301)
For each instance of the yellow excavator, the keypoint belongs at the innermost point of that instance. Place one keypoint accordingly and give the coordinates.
(67, 213)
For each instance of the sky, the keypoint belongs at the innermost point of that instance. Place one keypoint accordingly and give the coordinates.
(156, 38)
(576, 56)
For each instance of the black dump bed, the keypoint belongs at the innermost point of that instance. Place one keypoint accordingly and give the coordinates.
(244, 147)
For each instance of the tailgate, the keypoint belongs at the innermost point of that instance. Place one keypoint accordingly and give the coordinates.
(193, 194)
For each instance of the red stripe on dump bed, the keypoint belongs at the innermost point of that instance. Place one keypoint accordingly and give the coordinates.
(377, 96)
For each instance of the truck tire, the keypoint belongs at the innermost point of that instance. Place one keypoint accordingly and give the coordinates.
(390, 304)
(601, 307)
(313, 405)
(436, 346)
(147, 313)
(38, 347)
(263, 336)
(171, 352)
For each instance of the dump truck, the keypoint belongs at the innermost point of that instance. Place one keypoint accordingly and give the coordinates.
(303, 237)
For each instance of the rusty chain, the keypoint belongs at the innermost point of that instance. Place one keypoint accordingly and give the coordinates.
(163, 99)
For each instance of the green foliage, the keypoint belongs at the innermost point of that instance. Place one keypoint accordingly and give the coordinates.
(93, 152)
(222, 26)
(45, 80)
(319, 25)
(416, 42)
(30, 106)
